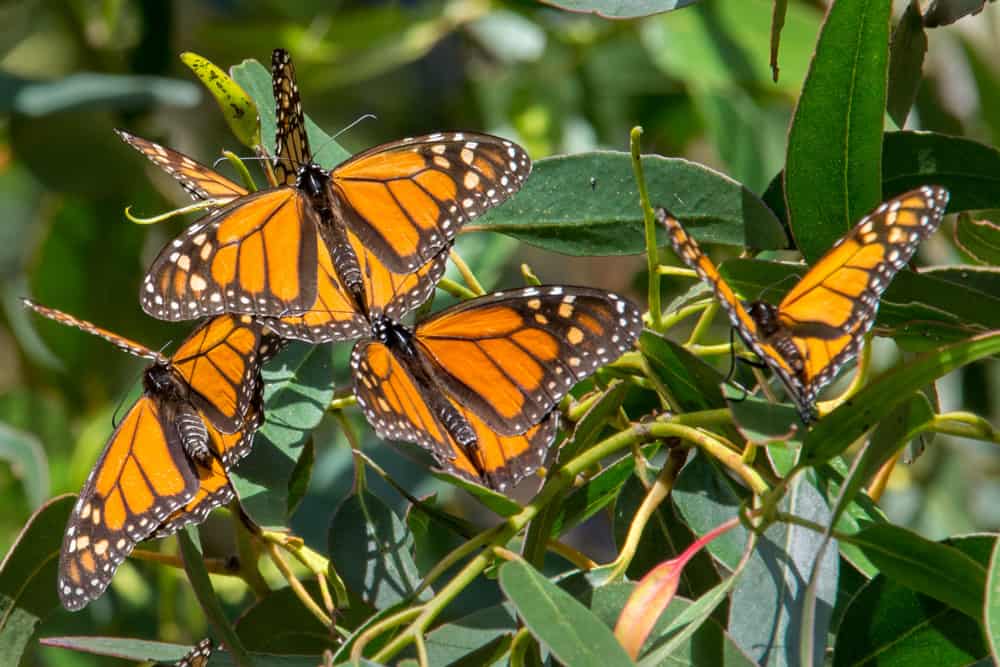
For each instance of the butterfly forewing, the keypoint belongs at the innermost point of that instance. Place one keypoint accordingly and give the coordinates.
(511, 356)
(142, 476)
(842, 290)
(291, 142)
(120, 342)
(200, 181)
(220, 361)
(407, 199)
(257, 256)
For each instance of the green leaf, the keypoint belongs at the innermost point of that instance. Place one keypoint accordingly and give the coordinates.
(256, 80)
(934, 569)
(970, 170)
(279, 623)
(906, 61)
(298, 388)
(891, 625)
(590, 426)
(666, 536)
(139, 650)
(561, 209)
(28, 577)
(194, 567)
(768, 601)
(573, 634)
(991, 611)
(492, 500)
(597, 493)
(707, 497)
(835, 141)
(709, 645)
(89, 91)
(619, 9)
(691, 383)
(454, 641)
(372, 549)
(852, 419)
(725, 50)
(979, 238)
(298, 483)
(237, 108)
(27, 462)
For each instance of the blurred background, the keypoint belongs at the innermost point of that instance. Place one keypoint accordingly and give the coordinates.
(696, 79)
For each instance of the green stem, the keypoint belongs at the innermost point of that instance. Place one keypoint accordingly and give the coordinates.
(649, 222)
(456, 290)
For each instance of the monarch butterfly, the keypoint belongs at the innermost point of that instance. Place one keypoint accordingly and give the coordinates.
(198, 656)
(327, 245)
(819, 325)
(165, 464)
(476, 384)
(334, 315)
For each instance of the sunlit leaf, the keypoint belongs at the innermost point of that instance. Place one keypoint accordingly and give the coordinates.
(835, 141)
(237, 107)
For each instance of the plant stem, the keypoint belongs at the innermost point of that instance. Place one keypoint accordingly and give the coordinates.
(467, 275)
(649, 222)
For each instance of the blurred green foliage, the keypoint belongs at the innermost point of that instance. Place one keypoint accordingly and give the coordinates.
(698, 80)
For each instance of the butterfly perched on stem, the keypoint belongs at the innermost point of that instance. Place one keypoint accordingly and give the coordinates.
(166, 463)
(819, 325)
(325, 245)
(476, 384)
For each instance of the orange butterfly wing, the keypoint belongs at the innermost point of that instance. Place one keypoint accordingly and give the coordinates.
(406, 200)
(198, 656)
(400, 407)
(511, 356)
(142, 476)
(256, 256)
(200, 181)
(822, 320)
(214, 487)
(220, 362)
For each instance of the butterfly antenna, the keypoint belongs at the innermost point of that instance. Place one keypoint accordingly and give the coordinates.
(329, 141)
(362, 117)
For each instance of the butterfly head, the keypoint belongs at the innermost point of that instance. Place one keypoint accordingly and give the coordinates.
(312, 179)
(766, 317)
(391, 333)
(161, 380)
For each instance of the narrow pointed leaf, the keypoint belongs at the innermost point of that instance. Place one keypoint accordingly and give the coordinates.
(619, 9)
(979, 238)
(237, 107)
(28, 577)
(562, 209)
(836, 431)
(571, 631)
(835, 142)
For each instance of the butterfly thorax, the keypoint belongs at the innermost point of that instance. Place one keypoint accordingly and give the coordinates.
(312, 179)
(393, 335)
(174, 397)
(161, 381)
(773, 332)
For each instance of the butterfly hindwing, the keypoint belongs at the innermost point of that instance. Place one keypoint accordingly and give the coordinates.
(402, 407)
(141, 477)
(511, 356)
(198, 656)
